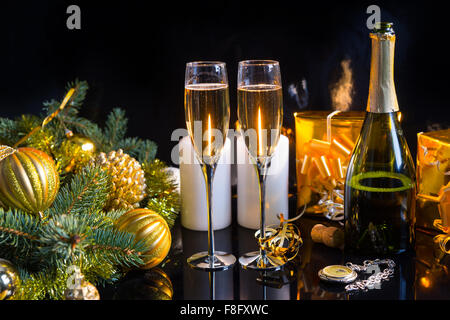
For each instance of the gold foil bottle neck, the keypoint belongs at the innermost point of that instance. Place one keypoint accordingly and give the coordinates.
(382, 95)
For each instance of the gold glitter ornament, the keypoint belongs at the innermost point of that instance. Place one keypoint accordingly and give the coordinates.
(150, 227)
(28, 181)
(79, 149)
(127, 177)
(9, 279)
(85, 143)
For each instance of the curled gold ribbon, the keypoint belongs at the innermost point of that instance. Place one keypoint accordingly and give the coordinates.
(49, 118)
(443, 240)
(6, 151)
(283, 241)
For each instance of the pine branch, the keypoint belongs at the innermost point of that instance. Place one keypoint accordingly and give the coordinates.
(8, 130)
(161, 190)
(118, 247)
(81, 88)
(88, 129)
(143, 150)
(45, 284)
(20, 231)
(64, 239)
(115, 129)
(86, 193)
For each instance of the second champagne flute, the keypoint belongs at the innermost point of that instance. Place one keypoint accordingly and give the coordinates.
(260, 114)
(207, 109)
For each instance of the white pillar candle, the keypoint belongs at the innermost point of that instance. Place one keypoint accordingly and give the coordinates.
(194, 214)
(248, 202)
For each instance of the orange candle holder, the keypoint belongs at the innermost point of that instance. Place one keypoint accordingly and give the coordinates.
(324, 144)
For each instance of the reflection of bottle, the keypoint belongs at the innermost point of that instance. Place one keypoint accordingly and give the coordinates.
(380, 182)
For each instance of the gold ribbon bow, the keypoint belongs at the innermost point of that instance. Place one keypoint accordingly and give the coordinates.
(282, 241)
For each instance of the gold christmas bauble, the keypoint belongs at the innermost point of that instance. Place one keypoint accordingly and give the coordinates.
(159, 284)
(84, 291)
(9, 279)
(79, 148)
(128, 181)
(150, 227)
(28, 180)
(154, 284)
(85, 143)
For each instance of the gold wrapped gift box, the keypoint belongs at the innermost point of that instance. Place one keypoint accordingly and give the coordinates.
(324, 144)
(433, 178)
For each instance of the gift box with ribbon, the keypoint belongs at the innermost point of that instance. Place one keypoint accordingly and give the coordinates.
(324, 144)
(433, 183)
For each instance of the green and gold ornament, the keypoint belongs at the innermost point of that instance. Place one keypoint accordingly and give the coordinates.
(29, 180)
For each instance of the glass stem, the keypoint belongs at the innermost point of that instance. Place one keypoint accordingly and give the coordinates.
(208, 171)
(262, 174)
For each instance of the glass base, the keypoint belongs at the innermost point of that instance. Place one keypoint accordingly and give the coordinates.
(201, 261)
(255, 261)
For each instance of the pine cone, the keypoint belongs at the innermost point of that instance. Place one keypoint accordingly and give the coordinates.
(127, 176)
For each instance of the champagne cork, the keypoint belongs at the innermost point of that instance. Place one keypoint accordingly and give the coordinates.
(330, 236)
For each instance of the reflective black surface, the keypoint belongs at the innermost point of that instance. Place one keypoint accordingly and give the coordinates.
(422, 275)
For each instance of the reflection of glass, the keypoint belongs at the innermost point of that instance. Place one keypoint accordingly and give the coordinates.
(260, 113)
(207, 109)
(200, 285)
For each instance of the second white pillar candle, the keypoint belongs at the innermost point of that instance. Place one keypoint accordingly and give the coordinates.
(277, 186)
(194, 214)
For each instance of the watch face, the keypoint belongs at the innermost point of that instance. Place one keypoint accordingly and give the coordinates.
(337, 273)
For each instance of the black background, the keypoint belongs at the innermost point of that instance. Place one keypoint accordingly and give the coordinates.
(133, 54)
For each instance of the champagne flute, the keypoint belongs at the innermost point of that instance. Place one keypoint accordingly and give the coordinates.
(207, 109)
(260, 114)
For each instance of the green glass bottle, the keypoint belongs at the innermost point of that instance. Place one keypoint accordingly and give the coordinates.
(380, 181)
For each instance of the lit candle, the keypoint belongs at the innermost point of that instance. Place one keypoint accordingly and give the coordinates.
(194, 214)
(248, 203)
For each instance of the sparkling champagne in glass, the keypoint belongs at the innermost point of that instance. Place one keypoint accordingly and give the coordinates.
(207, 109)
(260, 114)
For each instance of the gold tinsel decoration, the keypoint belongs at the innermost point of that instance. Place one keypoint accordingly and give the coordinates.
(128, 181)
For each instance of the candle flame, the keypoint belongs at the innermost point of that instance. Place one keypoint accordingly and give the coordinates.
(399, 116)
(425, 282)
(260, 152)
(209, 136)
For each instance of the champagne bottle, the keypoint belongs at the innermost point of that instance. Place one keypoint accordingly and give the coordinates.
(380, 181)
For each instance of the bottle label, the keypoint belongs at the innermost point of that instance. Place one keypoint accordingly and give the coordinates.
(367, 181)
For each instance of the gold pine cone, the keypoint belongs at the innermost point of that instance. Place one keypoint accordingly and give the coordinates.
(127, 176)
